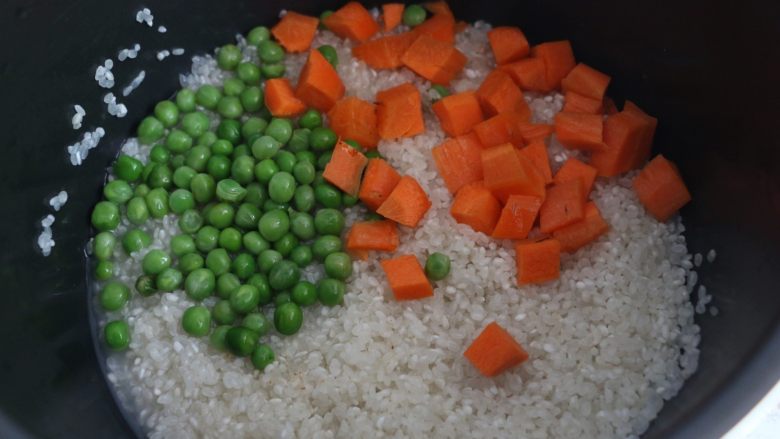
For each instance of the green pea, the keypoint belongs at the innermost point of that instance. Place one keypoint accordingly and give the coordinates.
(128, 168)
(414, 15)
(105, 216)
(203, 188)
(310, 119)
(226, 284)
(160, 176)
(304, 293)
(200, 284)
(221, 215)
(270, 205)
(280, 129)
(437, 266)
(354, 144)
(254, 243)
(304, 200)
(285, 160)
(104, 270)
(330, 292)
(196, 321)
(178, 141)
(318, 179)
(155, 261)
(373, 154)
(249, 73)
(191, 262)
(218, 167)
(330, 54)
(349, 200)
(325, 245)
(252, 99)
(247, 216)
(145, 285)
(241, 341)
(230, 190)
(182, 177)
(324, 159)
(243, 169)
(252, 127)
(329, 221)
(117, 335)
(273, 70)
(260, 281)
(299, 141)
(114, 295)
(441, 91)
(257, 35)
(257, 322)
(198, 157)
(185, 100)
(338, 265)
(301, 255)
(230, 239)
(256, 194)
(141, 190)
(283, 275)
(190, 221)
(167, 112)
(230, 107)
(267, 259)
(218, 261)
(241, 151)
(327, 195)
(281, 188)
(206, 238)
(233, 87)
(223, 314)
(170, 279)
(195, 124)
(286, 244)
(228, 57)
(135, 240)
(157, 202)
(265, 169)
(206, 139)
(270, 52)
(288, 318)
(262, 356)
(221, 147)
(306, 156)
(218, 337)
(322, 139)
(304, 172)
(325, 14)
(302, 225)
(273, 225)
(103, 246)
(243, 266)
(244, 299)
(150, 130)
(265, 147)
(158, 154)
(208, 96)
(181, 200)
(182, 245)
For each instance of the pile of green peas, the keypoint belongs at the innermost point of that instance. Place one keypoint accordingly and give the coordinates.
(249, 198)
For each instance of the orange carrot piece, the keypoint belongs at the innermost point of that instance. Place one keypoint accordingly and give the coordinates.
(373, 235)
(643, 153)
(577, 103)
(508, 44)
(434, 60)
(517, 217)
(352, 21)
(280, 98)
(499, 94)
(574, 169)
(558, 61)
(458, 163)
(535, 132)
(384, 52)
(392, 14)
(471, 141)
(495, 351)
(609, 106)
(528, 74)
(379, 181)
(475, 206)
(406, 204)
(580, 131)
(565, 204)
(536, 152)
(579, 234)
(508, 173)
(458, 113)
(295, 32)
(460, 26)
(538, 261)
(438, 8)
(586, 81)
(661, 189)
(399, 112)
(626, 144)
(361, 255)
(439, 27)
(319, 85)
(498, 130)
(352, 118)
(345, 168)
(406, 278)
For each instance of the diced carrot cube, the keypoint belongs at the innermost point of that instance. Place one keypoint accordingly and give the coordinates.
(355, 119)
(628, 137)
(558, 61)
(373, 235)
(434, 60)
(379, 181)
(345, 168)
(580, 131)
(458, 113)
(517, 217)
(508, 173)
(538, 261)
(528, 74)
(579, 234)
(565, 204)
(280, 98)
(295, 32)
(475, 206)
(352, 21)
(508, 44)
(319, 85)
(399, 112)
(384, 52)
(535, 132)
(406, 278)
(499, 94)
(573, 169)
(577, 103)
(495, 351)
(392, 14)
(661, 189)
(536, 152)
(586, 81)
(439, 27)
(406, 204)
(458, 163)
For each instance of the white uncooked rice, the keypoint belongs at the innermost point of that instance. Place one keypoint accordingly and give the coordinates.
(45, 241)
(609, 341)
(78, 117)
(113, 107)
(139, 78)
(162, 54)
(176, 51)
(711, 256)
(59, 200)
(145, 16)
(103, 74)
(162, 29)
(131, 53)
(80, 150)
